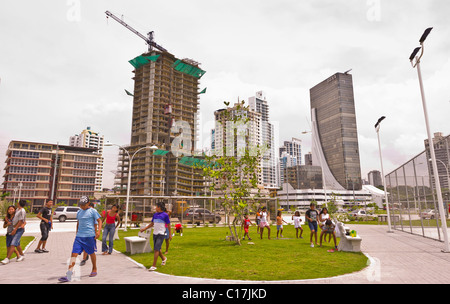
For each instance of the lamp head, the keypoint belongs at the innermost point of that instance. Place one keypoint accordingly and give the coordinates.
(425, 34)
(414, 53)
(379, 121)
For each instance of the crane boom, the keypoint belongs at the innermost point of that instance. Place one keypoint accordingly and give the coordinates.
(148, 39)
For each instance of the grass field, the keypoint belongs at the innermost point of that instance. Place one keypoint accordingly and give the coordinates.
(204, 253)
(23, 242)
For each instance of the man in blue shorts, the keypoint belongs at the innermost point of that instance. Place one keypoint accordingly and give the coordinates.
(159, 221)
(88, 230)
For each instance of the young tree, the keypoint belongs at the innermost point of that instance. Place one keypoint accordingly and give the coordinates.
(233, 171)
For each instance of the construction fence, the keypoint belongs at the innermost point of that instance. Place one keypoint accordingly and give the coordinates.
(412, 193)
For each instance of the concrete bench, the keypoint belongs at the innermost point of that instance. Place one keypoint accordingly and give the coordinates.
(140, 243)
(348, 243)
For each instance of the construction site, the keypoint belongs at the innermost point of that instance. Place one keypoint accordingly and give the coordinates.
(158, 164)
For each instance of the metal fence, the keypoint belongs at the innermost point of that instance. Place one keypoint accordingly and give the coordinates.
(188, 210)
(412, 193)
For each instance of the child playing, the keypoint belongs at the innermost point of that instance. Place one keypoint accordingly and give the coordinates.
(297, 223)
(246, 223)
(280, 224)
(328, 228)
(312, 217)
(178, 229)
(159, 221)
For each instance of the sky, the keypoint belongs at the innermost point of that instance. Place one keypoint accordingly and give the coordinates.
(64, 66)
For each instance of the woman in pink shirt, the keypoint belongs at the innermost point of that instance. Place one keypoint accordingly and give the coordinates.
(110, 228)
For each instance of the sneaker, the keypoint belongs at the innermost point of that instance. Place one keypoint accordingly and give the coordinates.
(152, 268)
(312, 245)
(20, 258)
(44, 250)
(5, 261)
(38, 250)
(164, 262)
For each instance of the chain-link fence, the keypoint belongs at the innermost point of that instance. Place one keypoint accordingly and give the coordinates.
(188, 210)
(412, 192)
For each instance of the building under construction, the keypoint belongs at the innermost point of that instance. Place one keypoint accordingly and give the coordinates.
(165, 115)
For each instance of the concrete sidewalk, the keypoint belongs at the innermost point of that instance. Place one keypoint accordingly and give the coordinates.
(396, 257)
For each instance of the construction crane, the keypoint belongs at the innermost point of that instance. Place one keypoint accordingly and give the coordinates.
(149, 39)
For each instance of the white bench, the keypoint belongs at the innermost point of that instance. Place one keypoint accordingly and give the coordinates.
(348, 243)
(140, 243)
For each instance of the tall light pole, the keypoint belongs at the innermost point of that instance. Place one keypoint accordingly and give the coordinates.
(430, 139)
(130, 160)
(377, 128)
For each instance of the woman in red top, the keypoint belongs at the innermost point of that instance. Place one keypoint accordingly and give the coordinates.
(110, 228)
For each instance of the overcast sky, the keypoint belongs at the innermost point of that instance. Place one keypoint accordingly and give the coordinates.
(64, 66)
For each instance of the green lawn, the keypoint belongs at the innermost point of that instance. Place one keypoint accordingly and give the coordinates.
(204, 253)
(23, 242)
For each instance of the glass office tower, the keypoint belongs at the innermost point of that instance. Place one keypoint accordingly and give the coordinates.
(335, 136)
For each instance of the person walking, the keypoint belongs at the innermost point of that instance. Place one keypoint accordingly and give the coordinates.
(159, 221)
(17, 224)
(280, 224)
(110, 228)
(297, 223)
(312, 216)
(264, 222)
(88, 230)
(7, 223)
(246, 224)
(45, 215)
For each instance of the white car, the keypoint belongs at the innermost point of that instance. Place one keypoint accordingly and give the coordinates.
(66, 212)
(429, 214)
(358, 213)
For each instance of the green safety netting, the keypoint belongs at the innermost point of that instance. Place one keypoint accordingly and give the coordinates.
(192, 161)
(128, 93)
(142, 60)
(203, 91)
(160, 152)
(188, 69)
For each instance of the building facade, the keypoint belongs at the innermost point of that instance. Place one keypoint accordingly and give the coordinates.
(334, 132)
(374, 177)
(90, 139)
(290, 154)
(165, 115)
(259, 104)
(38, 172)
(231, 143)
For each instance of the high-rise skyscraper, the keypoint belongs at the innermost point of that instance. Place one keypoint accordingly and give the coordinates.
(93, 140)
(229, 143)
(259, 104)
(165, 114)
(290, 154)
(334, 132)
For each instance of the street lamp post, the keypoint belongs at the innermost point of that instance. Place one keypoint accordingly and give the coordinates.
(130, 160)
(430, 139)
(377, 128)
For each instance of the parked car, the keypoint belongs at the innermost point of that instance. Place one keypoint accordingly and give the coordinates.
(66, 212)
(429, 214)
(197, 215)
(358, 213)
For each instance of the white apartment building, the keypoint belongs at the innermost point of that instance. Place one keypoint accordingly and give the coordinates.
(90, 139)
(259, 104)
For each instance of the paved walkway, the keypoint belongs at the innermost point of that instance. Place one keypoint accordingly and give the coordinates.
(396, 257)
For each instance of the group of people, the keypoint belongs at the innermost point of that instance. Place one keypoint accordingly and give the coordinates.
(314, 219)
